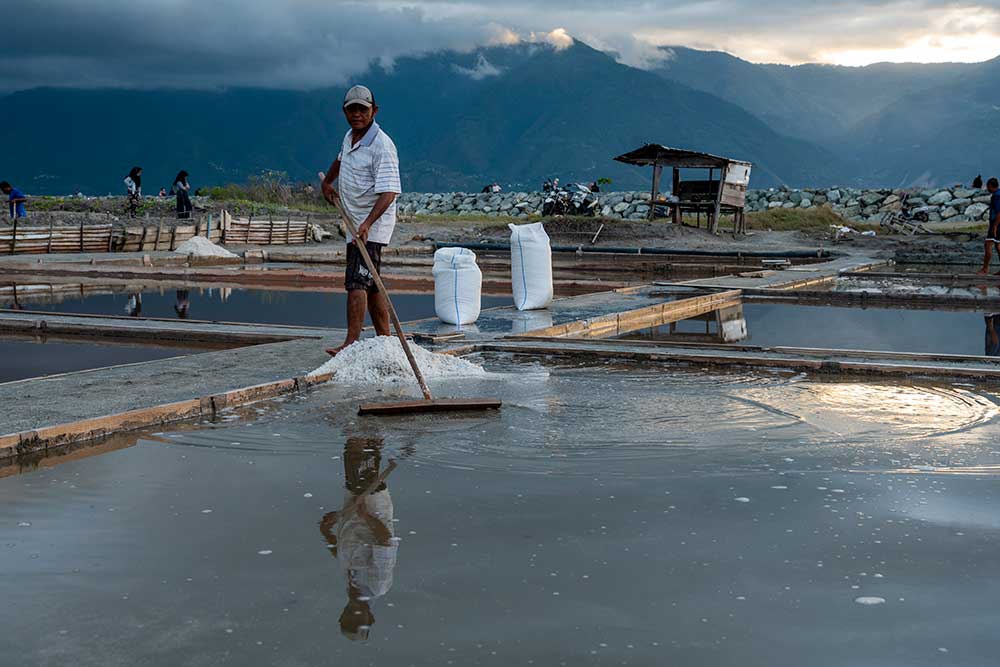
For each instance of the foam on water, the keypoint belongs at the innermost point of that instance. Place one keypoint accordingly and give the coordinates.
(869, 600)
(381, 360)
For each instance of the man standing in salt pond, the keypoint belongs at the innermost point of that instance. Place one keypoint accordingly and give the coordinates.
(367, 181)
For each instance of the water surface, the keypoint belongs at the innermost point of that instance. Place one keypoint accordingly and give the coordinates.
(322, 309)
(604, 516)
(28, 359)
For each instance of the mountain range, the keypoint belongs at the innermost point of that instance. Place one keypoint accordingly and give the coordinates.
(518, 114)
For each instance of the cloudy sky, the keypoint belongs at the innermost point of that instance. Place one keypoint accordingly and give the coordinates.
(310, 43)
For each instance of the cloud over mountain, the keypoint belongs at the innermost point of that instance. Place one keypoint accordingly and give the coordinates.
(314, 43)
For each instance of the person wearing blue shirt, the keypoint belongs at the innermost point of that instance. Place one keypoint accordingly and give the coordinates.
(993, 232)
(15, 199)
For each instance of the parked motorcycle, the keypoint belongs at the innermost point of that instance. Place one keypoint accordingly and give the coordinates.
(906, 217)
(574, 199)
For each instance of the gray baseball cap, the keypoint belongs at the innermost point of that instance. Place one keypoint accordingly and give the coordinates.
(359, 95)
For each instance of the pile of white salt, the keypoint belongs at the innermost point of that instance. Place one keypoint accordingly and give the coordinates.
(381, 360)
(199, 246)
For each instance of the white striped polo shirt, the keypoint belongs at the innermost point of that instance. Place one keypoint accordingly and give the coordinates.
(367, 169)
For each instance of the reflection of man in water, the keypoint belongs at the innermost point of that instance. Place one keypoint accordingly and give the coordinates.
(182, 305)
(992, 335)
(134, 305)
(361, 535)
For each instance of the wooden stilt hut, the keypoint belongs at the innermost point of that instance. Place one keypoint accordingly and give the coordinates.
(724, 193)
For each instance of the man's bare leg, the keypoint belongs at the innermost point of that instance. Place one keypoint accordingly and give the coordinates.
(987, 256)
(378, 310)
(356, 301)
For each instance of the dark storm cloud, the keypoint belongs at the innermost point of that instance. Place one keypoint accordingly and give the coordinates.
(309, 43)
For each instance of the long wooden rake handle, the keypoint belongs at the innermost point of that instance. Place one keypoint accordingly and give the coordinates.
(392, 310)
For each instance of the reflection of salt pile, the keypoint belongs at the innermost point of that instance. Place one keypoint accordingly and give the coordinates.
(381, 360)
(199, 246)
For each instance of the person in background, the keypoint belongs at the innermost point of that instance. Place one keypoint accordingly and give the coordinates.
(361, 535)
(495, 188)
(594, 187)
(163, 192)
(555, 183)
(992, 232)
(547, 186)
(15, 200)
(133, 188)
(977, 182)
(181, 187)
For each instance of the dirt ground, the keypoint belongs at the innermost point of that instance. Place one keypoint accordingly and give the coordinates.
(938, 249)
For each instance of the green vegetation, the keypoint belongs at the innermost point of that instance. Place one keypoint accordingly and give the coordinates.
(270, 187)
(801, 219)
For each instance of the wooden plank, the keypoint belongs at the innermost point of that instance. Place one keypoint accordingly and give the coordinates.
(51, 437)
(615, 324)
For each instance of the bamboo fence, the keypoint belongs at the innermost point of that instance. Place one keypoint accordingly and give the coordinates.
(21, 238)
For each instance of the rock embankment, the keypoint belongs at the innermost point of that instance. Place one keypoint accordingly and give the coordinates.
(953, 205)
(956, 204)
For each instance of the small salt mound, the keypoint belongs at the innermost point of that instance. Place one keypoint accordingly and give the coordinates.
(381, 360)
(199, 246)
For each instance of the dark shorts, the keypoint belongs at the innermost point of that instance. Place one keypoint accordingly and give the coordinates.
(357, 275)
(993, 233)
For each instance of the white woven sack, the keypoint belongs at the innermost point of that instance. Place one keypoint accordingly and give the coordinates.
(531, 266)
(458, 285)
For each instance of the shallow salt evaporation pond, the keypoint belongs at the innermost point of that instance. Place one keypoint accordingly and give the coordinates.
(223, 304)
(607, 515)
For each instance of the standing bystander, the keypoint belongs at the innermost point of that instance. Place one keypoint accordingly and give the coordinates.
(181, 188)
(992, 232)
(133, 190)
(15, 200)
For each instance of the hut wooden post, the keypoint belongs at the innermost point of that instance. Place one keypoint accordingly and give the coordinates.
(657, 172)
(675, 187)
(288, 230)
(270, 229)
(48, 247)
(713, 226)
(173, 237)
(159, 229)
(81, 237)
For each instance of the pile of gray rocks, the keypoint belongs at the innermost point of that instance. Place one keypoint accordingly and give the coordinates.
(622, 205)
(955, 204)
